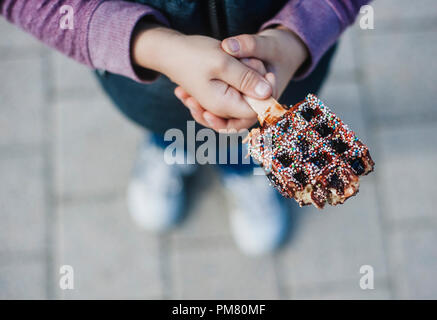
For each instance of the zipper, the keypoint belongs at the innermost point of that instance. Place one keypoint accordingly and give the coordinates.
(217, 18)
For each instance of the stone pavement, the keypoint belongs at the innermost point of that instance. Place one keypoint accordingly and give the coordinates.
(66, 155)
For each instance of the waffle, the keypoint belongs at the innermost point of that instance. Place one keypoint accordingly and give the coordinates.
(308, 153)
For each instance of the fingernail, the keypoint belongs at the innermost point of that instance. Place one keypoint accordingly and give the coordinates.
(233, 45)
(262, 89)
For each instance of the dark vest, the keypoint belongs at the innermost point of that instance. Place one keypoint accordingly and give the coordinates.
(154, 105)
(216, 18)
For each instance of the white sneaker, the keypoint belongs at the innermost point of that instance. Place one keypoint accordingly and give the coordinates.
(156, 195)
(258, 216)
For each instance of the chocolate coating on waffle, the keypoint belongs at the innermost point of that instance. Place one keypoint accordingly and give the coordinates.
(309, 154)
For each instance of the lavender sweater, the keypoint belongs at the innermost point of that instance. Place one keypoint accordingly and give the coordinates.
(103, 28)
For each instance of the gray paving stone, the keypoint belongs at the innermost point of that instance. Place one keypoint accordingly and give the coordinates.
(343, 64)
(23, 279)
(95, 147)
(401, 76)
(344, 100)
(414, 259)
(330, 246)
(343, 291)
(111, 257)
(71, 76)
(21, 101)
(399, 10)
(208, 213)
(407, 171)
(219, 271)
(14, 39)
(22, 204)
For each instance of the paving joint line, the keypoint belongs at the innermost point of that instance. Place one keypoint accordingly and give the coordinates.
(49, 192)
(364, 100)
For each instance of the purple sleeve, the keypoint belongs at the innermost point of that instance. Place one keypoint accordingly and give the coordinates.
(101, 33)
(319, 23)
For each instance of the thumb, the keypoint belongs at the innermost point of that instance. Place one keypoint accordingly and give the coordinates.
(248, 46)
(246, 80)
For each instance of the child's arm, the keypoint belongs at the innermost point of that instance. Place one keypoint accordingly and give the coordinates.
(313, 25)
(317, 23)
(100, 34)
(116, 35)
(213, 78)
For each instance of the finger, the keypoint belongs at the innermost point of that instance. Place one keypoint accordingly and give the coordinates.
(226, 97)
(271, 78)
(220, 124)
(189, 101)
(214, 121)
(192, 104)
(228, 102)
(249, 45)
(181, 94)
(238, 124)
(255, 64)
(196, 111)
(199, 119)
(244, 79)
(207, 118)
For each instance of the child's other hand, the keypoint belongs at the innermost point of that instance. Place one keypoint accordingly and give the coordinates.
(214, 79)
(281, 50)
(209, 119)
(274, 53)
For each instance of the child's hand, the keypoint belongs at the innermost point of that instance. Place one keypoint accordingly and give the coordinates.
(213, 78)
(280, 49)
(274, 53)
(213, 121)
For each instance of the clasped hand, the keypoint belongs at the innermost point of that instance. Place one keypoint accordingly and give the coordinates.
(213, 76)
